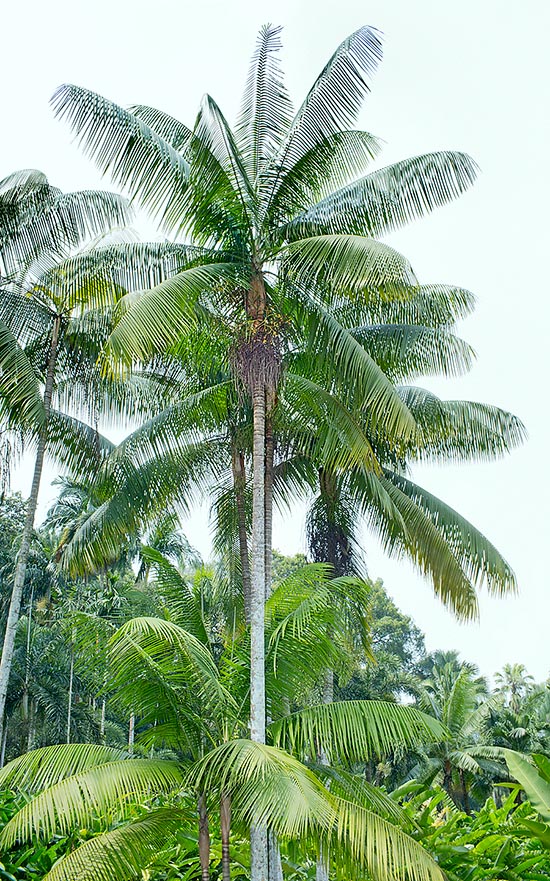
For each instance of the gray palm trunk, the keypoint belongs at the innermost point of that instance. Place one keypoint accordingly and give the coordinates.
(239, 484)
(258, 835)
(204, 838)
(71, 681)
(23, 555)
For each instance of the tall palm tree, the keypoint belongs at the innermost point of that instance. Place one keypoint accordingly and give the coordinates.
(282, 206)
(58, 306)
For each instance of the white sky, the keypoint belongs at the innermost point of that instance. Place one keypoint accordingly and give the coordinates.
(472, 76)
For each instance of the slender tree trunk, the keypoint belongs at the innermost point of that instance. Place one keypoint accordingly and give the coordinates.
(225, 826)
(274, 858)
(30, 733)
(465, 796)
(323, 860)
(4, 742)
(23, 555)
(256, 307)
(71, 679)
(448, 778)
(268, 484)
(257, 611)
(239, 483)
(131, 734)
(258, 835)
(204, 839)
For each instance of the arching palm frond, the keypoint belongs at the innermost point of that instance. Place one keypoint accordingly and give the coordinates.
(389, 198)
(123, 853)
(77, 799)
(355, 730)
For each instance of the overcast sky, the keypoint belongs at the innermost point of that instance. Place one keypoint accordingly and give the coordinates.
(472, 76)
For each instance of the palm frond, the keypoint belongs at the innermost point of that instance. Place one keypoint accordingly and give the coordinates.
(346, 262)
(355, 730)
(123, 853)
(266, 110)
(75, 800)
(333, 102)
(43, 767)
(389, 198)
(137, 159)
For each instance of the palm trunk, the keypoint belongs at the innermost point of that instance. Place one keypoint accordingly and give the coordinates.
(23, 555)
(239, 483)
(268, 485)
(258, 835)
(257, 603)
(30, 733)
(71, 680)
(4, 742)
(274, 857)
(465, 796)
(323, 859)
(204, 839)
(448, 778)
(225, 826)
(131, 734)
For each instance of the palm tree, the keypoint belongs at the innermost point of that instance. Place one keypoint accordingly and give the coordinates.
(274, 203)
(58, 307)
(514, 683)
(458, 698)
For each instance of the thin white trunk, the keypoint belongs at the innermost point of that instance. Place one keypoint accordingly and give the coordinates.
(4, 741)
(323, 860)
(258, 835)
(70, 706)
(257, 599)
(131, 734)
(23, 555)
(268, 489)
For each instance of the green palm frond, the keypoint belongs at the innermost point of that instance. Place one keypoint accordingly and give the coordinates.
(355, 730)
(266, 110)
(138, 159)
(389, 198)
(332, 435)
(333, 102)
(75, 445)
(346, 262)
(341, 355)
(404, 351)
(20, 397)
(370, 842)
(480, 560)
(76, 800)
(330, 164)
(267, 786)
(161, 315)
(123, 853)
(148, 648)
(69, 220)
(165, 126)
(183, 606)
(271, 787)
(43, 767)
(459, 430)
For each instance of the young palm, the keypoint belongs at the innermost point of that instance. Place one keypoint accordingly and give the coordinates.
(186, 700)
(274, 202)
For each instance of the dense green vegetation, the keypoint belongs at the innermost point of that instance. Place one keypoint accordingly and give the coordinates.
(254, 715)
